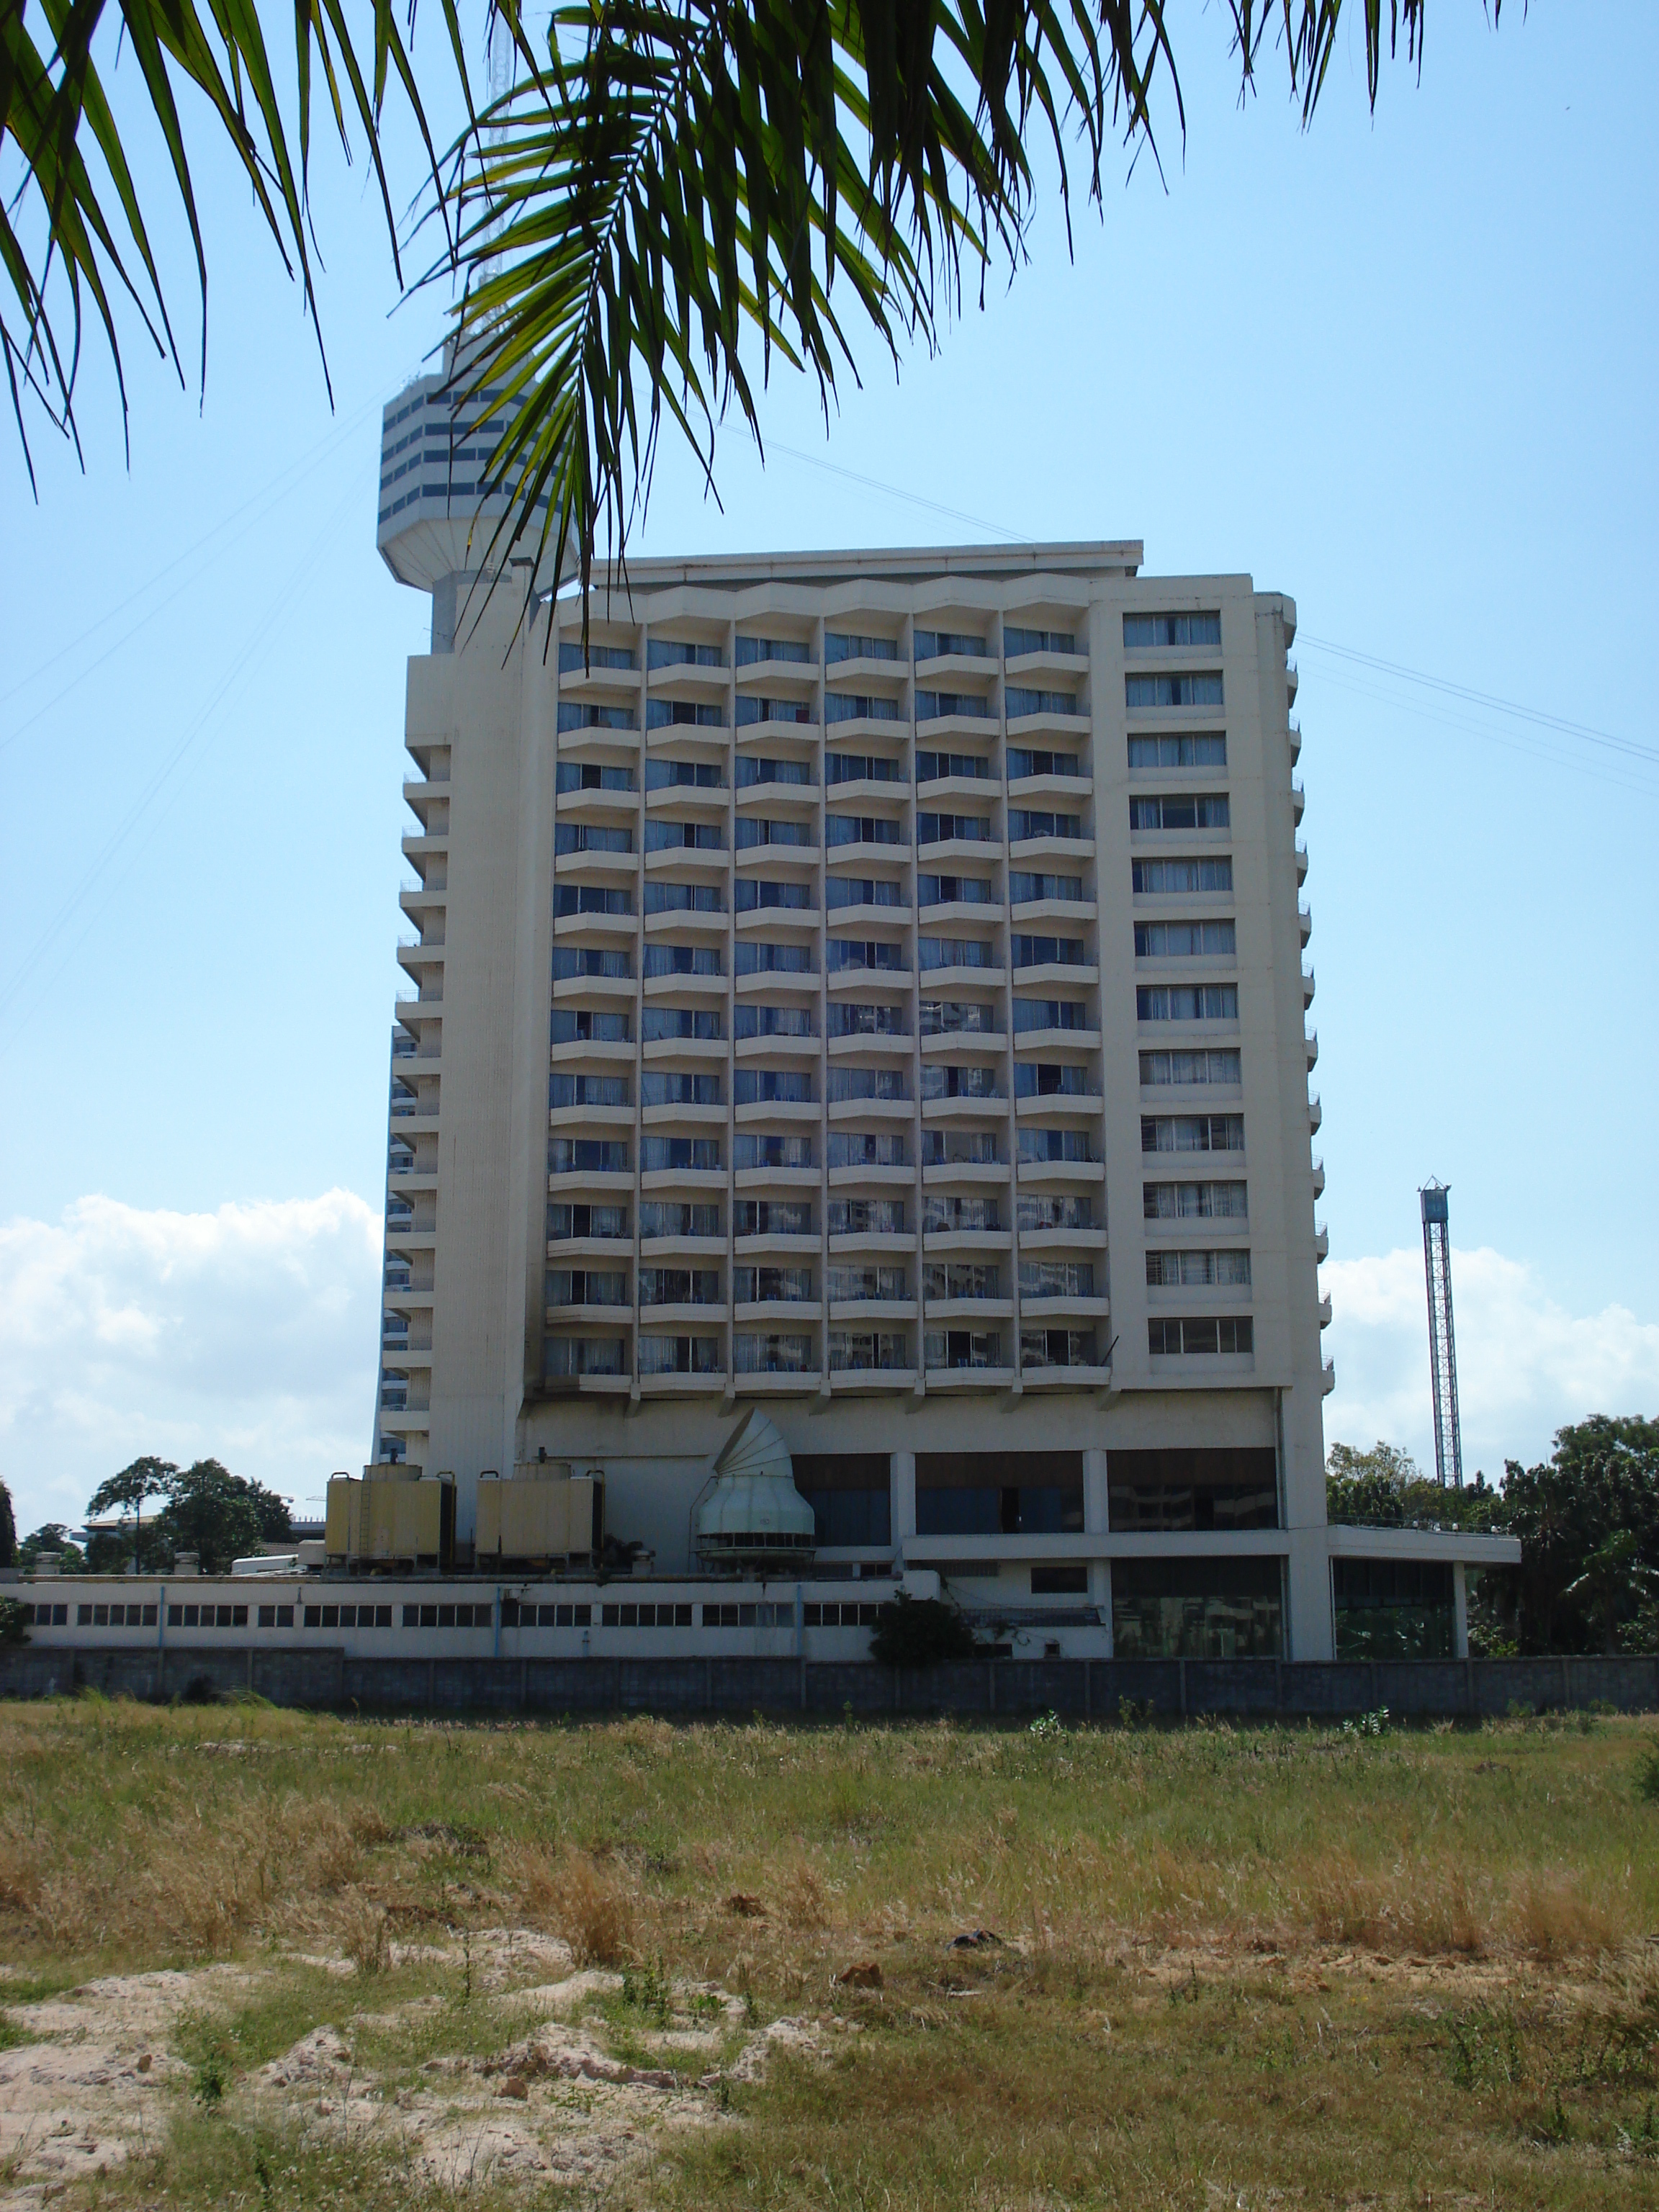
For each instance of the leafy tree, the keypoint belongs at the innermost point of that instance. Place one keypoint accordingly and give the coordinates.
(1600, 1481)
(126, 1492)
(667, 184)
(14, 1629)
(220, 1515)
(7, 1529)
(1385, 1488)
(1612, 1579)
(51, 1536)
(920, 1632)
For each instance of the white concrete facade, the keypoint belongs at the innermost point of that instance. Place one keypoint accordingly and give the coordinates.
(873, 984)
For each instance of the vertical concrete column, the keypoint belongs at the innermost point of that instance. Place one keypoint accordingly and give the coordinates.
(903, 1479)
(1308, 1631)
(1460, 1610)
(1094, 1492)
(1100, 1594)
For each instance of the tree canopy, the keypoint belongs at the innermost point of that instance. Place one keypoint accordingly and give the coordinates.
(657, 188)
(7, 1529)
(1587, 1519)
(206, 1508)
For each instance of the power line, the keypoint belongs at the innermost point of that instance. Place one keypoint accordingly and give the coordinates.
(895, 491)
(238, 669)
(1630, 746)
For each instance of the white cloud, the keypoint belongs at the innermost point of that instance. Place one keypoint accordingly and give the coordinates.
(248, 1334)
(1525, 1364)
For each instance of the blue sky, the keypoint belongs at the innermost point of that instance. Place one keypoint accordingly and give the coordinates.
(1402, 368)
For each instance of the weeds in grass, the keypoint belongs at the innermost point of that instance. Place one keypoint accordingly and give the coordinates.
(1373, 1724)
(1647, 1777)
(588, 1906)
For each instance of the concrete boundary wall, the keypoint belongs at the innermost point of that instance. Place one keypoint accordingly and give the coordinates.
(1079, 1689)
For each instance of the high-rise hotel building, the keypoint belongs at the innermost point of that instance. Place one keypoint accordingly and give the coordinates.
(872, 985)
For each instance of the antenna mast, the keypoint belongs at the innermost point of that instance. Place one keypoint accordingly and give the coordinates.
(1442, 1349)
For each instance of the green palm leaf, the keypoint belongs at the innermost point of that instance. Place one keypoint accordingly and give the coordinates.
(74, 234)
(695, 187)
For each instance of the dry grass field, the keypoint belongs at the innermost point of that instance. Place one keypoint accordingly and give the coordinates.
(252, 1959)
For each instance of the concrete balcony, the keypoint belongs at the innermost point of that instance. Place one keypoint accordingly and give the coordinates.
(1319, 1178)
(1046, 1175)
(1063, 793)
(1038, 1041)
(887, 796)
(969, 1378)
(1051, 722)
(959, 1047)
(1316, 1112)
(1327, 1378)
(787, 1110)
(943, 1175)
(752, 858)
(1321, 1241)
(873, 1311)
(617, 987)
(849, 1379)
(1037, 1241)
(1325, 1312)
(1029, 668)
(1059, 914)
(1063, 853)
(940, 1243)
(697, 1117)
(1308, 988)
(613, 1119)
(949, 791)
(873, 1243)
(1311, 1041)
(1062, 1105)
(992, 1107)
(685, 920)
(695, 798)
(691, 679)
(604, 927)
(875, 1109)
(1055, 973)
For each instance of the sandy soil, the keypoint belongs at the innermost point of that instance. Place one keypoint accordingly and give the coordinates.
(86, 2090)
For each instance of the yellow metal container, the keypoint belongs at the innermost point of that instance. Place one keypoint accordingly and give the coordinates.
(392, 1514)
(539, 1515)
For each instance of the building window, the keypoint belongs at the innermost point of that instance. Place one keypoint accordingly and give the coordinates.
(1182, 749)
(675, 1217)
(1168, 1338)
(772, 1354)
(1141, 692)
(567, 1358)
(999, 1493)
(1197, 1608)
(1393, 1609)
(752, 650)
(1182, 878)
(1229, 1269)
(1024, 821)
(1016, 641)
(866, 1217)
(843, 645)
(1182, 1487)
(680, 1286)
(1192, 1201)
(1219, 1067)
(951, 1349)
(1141, 631)
(1175, 811)
(574, 659)
(765, 1286)
(1186, 1002)
(1020, 702)
(680, 1355)
(587, 1287)
(1185, 940)
(878, 1351)
(1056, 1279)
(1061, 1581)
(1192, 1133)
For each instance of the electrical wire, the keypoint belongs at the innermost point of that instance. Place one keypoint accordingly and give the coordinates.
(265, 501)
(240, 668)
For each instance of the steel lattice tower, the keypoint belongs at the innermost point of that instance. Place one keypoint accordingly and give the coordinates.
(1442, 1349)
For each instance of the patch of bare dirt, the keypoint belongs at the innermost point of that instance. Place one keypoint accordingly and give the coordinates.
(83, 2095)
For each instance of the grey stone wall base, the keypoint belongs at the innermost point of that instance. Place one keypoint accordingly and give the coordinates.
(311, 1674)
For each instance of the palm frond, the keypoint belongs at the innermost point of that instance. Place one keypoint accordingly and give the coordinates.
(76, 233)
(695, 187)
